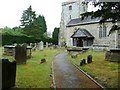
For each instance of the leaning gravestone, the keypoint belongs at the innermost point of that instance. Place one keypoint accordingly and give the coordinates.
(20, 54)
(41, 45)
(8, 73)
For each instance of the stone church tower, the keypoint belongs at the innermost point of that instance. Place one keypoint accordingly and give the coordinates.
(71, 9)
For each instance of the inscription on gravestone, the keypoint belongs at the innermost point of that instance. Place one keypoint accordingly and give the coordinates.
(20, 54)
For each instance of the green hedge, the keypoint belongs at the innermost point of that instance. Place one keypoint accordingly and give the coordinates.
(11, 39)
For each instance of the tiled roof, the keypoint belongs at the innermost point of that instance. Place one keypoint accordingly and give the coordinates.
(82, 33)
(79, 21)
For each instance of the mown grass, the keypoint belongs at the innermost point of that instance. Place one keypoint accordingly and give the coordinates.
(105, 72)
(33, 74)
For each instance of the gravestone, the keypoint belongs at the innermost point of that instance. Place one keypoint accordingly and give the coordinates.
(108, 55)
(113, 55)
(89, 58)
(74, 56)
(9, 50)
(29, 52)
(31, 45)
(15, 44)
(38, 46)
(46, 44)
(82, 62)
(34, 47)
(20, 54)
(43, 60)
(41, 45)
(8, 73)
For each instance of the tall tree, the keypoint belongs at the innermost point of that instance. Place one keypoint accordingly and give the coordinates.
(28, 16)
(33, 25)
(55, 35)
(27, 20)
(106, 11)
(40, 25)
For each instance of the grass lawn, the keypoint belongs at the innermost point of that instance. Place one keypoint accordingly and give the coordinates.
(33, 74)
(105, 72)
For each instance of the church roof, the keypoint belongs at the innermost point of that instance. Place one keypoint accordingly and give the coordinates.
(79, 21)
(82, 33)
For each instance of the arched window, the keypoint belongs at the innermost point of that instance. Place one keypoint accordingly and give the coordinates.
(104, 31)
(100, 31)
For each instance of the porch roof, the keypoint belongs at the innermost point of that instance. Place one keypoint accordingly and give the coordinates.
(82, 33)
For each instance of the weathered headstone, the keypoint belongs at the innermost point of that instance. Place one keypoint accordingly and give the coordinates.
(82, 62)
(89, 59)
(46, 44)
(20, 54)
(43, 60)
(8, 73)
(29, 52)
(107, 55)
(31, 45)
(34, 46)
(41, 45)
(113, 55)
(15, 44)
(74, 56)
(38, 46)
(9, 50)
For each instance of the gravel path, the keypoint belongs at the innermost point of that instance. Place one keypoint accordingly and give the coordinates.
(67, 75)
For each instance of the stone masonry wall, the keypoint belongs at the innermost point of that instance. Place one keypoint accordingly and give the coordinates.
(94, 30)
(77, 9)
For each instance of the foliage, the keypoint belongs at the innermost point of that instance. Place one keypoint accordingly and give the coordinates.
(28, 16)
(10, 36)
(32, 25)
(55, 36)
(32, 29)
(106, 11)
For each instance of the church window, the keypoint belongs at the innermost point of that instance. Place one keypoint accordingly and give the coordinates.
(100, 31)
(104, 31)
(70, 7)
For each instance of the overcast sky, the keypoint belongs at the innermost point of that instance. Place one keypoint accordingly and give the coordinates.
(11, 11)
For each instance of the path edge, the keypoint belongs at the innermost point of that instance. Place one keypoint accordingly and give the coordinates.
(53, 79)
(87, 75)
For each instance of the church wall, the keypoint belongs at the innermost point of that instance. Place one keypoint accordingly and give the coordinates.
(67, 15)
(94, 30)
